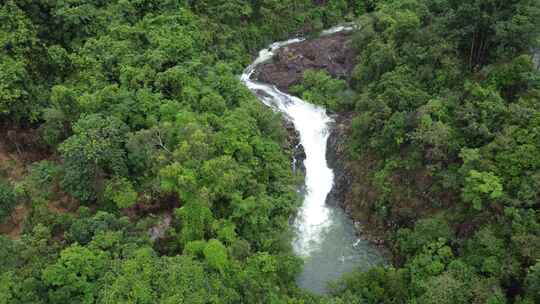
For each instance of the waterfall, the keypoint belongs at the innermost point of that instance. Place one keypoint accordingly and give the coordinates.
(325, 237)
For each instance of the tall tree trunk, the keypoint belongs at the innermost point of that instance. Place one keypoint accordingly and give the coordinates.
(471, 55)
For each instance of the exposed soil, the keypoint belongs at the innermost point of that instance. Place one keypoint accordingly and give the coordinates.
(11, 166)
(19, 148)
(161, 205)
(333, 53)
(12, 227)
(64, 205)
(12, 169)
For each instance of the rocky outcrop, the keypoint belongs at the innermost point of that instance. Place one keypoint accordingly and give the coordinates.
(337, 158)
(333, 53)
(294, 145)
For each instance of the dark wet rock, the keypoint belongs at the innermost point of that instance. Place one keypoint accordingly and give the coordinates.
(346, 178)
(336, 155)
(333, 53)
(294, 145)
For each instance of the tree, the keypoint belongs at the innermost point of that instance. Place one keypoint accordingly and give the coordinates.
(39, 183)
(83, 229)
(7, 200)
(226, 11)
(6, 283)
(377, 285)
(481, 113)
(120, 191)
(486, 251)
(445, 289)
(532, 282)
(195, 220)
(74, 277)
(95, 150)
(489, 30)
(320, 88)
(480, 187)
(135, 280)
(426, 231)
(183, 280)
(8, 254)
(177, 179)
(19, 58)
(215, 255)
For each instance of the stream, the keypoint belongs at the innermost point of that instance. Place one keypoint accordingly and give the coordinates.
(324, 236)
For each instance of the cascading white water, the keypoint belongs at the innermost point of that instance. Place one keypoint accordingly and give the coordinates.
(325, 237)
(312, 124)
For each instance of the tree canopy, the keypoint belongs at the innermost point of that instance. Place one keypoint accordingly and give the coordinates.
(152, 175)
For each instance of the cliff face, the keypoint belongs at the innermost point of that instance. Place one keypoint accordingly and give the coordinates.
(353, 191)
(337, 157)
(332, 53)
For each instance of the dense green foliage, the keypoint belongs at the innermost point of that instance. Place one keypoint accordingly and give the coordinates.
(8, 199)
(447, 112)
(140, 111)
(321, 89)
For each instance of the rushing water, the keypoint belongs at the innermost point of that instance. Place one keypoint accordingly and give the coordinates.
(325, 237)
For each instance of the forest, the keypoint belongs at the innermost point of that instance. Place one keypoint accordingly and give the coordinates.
(122, 117)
